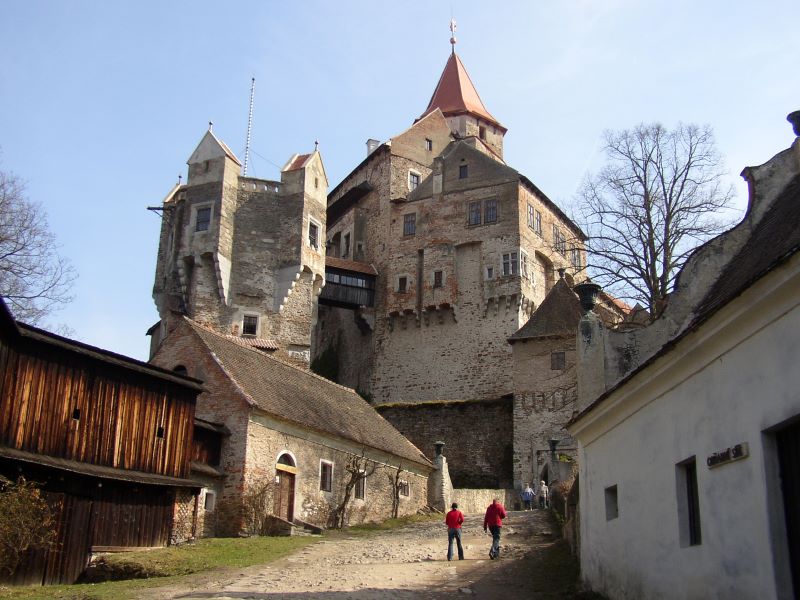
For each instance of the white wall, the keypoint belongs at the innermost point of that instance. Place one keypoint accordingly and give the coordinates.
(722, 385)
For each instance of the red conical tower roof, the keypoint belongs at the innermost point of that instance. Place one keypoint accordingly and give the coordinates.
(456, 95)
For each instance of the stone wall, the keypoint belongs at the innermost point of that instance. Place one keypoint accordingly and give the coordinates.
(544, 400)
(474, 501)
(478, 437)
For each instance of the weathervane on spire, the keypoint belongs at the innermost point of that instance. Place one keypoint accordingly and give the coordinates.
(453, 37)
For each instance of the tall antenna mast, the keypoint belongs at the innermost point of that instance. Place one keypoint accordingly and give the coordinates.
(249, 126)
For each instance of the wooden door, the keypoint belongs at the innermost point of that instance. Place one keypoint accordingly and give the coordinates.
(284, 496)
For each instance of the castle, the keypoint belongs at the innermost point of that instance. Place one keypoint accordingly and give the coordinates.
(406, 285)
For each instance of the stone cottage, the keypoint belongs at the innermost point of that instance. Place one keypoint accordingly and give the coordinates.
(288, 436)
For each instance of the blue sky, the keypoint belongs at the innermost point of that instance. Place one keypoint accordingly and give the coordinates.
(101, 103)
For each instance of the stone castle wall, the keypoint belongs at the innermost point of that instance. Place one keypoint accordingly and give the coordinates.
(478, 437)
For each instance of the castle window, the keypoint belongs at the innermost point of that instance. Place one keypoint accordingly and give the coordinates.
(463, 171)
(250, 325)
(437, 279)
(405, 489)
(325, 476)
(346, 249)
(612, 503)
(413, 180)
(210, 501)
(361, 485)
(490, 211)
(559, 240)
(489, 272)
(202, 219)
(510, 263)
(537, 222)
(558, 361)
(313, 235)
(410, 224)
(402, 284)
(482, 132)
(428, 144)
(575, 257)
(531, 216)
(474, 213)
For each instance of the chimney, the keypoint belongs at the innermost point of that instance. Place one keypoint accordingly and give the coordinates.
(372, 145)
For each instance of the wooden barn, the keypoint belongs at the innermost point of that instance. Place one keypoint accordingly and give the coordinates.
(108, 439)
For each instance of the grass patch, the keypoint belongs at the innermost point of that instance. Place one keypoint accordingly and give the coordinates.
(165, 566)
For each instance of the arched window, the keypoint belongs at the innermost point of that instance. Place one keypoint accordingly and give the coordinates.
(286, 459)
(180, 370)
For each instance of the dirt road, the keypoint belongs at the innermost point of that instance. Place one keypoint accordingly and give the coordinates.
(408, 563)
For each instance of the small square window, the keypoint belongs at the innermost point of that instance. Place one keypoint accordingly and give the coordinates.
(402, 284)
(474, 216)
(410, 224)
(405, 489)
(612, 506)
(325, 476)
(490, 211)
(313, 235)
(437, 279)
(463, 171)
(413, 180)
(210, 501)
(361, 486)
(250, 325)
(428, 144)
(558, 361)
(489, 272)
(203, 219)
(160, 432)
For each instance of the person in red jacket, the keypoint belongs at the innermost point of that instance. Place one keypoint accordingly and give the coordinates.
(454, 519)
(495, 513)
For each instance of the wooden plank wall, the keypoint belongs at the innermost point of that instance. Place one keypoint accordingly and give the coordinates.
(120, 412)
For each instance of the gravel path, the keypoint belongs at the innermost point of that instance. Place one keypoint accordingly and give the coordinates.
(405, 563)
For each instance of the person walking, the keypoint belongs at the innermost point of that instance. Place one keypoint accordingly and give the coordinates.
(493, 520)
(454, 519)
(544, 495)
(527, 496)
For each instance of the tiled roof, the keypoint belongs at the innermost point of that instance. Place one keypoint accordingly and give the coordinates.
(455, 94)
(254, 342)
(349, 265)
(292, 394)
(557, 315)
(297, 162)
(776, 237)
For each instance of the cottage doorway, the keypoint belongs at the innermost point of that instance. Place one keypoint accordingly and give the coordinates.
(789, 459)
(285, 472)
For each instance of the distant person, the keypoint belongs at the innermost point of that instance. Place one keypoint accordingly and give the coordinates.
(493, 520)
(527, 496)
(544, 495)
(454, 519)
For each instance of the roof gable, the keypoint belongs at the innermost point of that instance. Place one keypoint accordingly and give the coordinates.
(557, 316)
(210, 148)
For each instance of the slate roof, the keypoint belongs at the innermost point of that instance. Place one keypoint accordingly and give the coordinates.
(291, 394)
(455, 93)
(557, 316)
(775, 238)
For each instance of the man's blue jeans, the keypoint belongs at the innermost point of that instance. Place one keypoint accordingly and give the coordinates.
(495, 550)
(454, 533)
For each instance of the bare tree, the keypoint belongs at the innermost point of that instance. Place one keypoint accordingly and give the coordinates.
(357, 468)
(396, 483)
(659, 196)
(34, 278)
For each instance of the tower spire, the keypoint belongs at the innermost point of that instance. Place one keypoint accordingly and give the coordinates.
(453, 39)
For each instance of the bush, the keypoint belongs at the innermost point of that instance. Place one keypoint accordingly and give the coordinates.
(26, 522)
